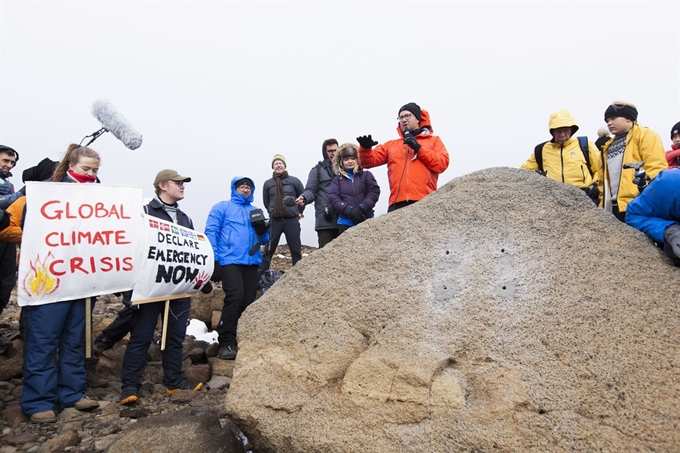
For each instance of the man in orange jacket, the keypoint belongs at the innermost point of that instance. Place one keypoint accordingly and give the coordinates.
(414, 161)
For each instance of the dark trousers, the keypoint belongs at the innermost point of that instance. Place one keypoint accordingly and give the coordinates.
(289, 226)
(117, 330)
(326, 236)
(342, 228)
(618, 214)
(120, 326)
(141, 334)
(399, 205)
(54, 358)
(8, 271)
(239, 284)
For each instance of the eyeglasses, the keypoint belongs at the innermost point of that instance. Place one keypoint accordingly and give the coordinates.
(405, 117)
(244, 187)
(178, 183)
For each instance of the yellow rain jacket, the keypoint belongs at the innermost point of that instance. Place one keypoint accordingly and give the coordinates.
(642, 144)
(566, 162)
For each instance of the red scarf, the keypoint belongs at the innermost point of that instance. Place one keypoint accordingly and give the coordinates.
(81, 178)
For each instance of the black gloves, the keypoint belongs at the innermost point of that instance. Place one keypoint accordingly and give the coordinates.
(672, 238)
(366, 141)
(207, 288)
(593, 192)
(217, 273)
(357, 215)
(411, 141)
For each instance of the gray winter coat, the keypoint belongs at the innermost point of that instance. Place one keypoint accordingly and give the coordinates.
(316, 191)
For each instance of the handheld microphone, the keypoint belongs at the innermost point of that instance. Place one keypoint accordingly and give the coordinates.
(115, 123)
(407, 134)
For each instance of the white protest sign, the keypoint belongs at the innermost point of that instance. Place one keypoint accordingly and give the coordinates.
(79, 240)
(176, 260)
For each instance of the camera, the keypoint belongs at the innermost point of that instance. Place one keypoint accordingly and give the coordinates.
(258, 221)
(640, 178)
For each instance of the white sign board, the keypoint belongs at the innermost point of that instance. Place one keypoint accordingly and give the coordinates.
(176, 260)
(79, 240)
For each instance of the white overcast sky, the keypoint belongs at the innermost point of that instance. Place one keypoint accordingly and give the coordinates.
(218, 87)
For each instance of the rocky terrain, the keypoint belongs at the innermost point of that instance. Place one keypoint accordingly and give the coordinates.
(104, 429)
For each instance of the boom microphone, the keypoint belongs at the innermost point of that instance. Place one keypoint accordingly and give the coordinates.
(115, 123)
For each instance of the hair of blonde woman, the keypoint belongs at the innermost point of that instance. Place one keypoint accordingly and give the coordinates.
(73, 155)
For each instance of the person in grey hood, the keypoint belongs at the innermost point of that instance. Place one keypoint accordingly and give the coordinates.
(316, 191)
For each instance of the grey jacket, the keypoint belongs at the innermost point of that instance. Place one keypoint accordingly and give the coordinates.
(316, 191)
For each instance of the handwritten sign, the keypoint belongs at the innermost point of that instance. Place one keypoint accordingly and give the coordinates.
(177, 260)
(79, 241)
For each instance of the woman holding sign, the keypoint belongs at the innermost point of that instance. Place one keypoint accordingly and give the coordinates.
(54, 363)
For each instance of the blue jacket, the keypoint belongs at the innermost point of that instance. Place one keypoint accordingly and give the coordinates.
(657, 207)
(229, 230)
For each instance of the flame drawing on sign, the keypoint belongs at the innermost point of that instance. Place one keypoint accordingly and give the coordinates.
(39, 282)
(201, 279)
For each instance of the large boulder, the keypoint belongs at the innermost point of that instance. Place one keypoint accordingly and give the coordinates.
(505, 312)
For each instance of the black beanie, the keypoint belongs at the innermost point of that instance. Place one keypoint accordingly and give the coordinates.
(411, 107)
(675, 129)
(40, 172)
(243, 181)
(624, 111)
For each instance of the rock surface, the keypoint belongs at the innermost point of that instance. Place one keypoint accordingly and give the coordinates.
(502, 313)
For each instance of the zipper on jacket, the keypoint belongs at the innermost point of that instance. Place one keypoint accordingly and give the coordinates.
(562, 160)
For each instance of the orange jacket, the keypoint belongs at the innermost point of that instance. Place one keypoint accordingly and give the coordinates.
(410, 180)
(13, 232)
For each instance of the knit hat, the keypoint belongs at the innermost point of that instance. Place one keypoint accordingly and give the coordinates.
(621, 110)
(675, 129)
(244, 181)
(279, 157)
(411, 107)
(169, 175)
(40, 172)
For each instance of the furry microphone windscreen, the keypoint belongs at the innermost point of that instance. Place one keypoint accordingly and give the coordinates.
(115, 123)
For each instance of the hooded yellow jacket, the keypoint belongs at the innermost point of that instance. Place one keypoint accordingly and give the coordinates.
(566, 162)
(642, 145)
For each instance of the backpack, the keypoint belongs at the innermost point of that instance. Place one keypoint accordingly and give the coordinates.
(268, 278)
(582, 141)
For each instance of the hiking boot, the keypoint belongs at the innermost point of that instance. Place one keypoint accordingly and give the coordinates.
(227, 352)
(128, 397)
(93, 379)
(44, 417)
(185, 386)
(86, 404)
